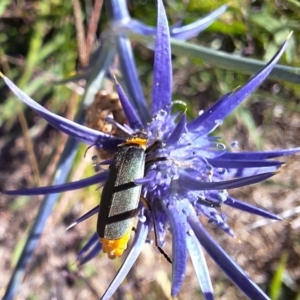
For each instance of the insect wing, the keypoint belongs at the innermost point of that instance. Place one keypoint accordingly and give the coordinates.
(120, 196)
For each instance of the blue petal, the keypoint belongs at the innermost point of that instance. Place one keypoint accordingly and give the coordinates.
(241, 163)
(200, 266)
(188, 31)
(148, 178)
(250, 208)
(82, 133)
(225, 262)
(160, 219)
(199, 123)
(162, 75)
(216, 218)
(131, 79)
(135, 250)
(69, 186)
(92, 240)
(246, 172)
(180, 33)
(117, 10)
(177, 132)
(93, 253)
(259, 154)
(129, 111)
(189, 182)
(86, 216)
(227, 105)
(179, 248)
(140, 28)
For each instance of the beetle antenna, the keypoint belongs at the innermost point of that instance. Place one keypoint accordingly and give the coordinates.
(87, 149)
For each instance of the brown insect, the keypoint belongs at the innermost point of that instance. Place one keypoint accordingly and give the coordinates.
(105, 105)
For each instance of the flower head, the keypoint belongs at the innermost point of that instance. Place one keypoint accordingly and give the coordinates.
(187, 174)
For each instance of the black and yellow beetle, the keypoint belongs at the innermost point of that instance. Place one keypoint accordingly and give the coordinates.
(120, 196)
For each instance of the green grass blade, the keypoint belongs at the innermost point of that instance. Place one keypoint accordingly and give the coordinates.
(224, 60)
(276, 282)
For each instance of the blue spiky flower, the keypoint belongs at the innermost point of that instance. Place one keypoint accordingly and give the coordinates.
(192, 181)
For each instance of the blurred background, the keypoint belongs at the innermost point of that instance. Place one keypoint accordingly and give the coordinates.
(46, 41)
